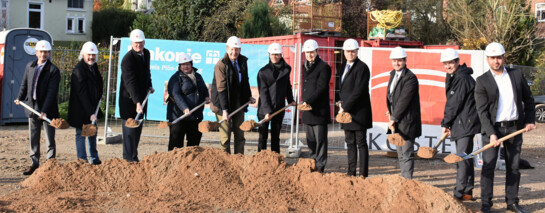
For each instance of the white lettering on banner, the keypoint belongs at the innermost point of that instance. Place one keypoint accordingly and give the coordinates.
(154, 67)
(170, 56)
(168, 68)
(212, 56)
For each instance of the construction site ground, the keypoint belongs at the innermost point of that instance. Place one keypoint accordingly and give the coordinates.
(14, 150)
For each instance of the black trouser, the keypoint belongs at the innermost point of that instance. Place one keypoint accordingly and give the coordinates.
(131, 138)
(465, 175)
(317, 143)
(405, 155)
(181, 129)
(35, 127)
(356, 142)
(276, 126)
(512, 148)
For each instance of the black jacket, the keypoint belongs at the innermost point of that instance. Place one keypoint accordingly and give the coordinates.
(85, 92)
(135, 82)
(273, 92)
(404, 105)
(460, 110)
(316, 92)
(47, 89)
(354, 95)
(487, 97)
(184, 94)
(226, 91)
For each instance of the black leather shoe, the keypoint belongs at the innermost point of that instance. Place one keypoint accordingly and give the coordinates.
(97, 162)
(30, 170)
(516, 208)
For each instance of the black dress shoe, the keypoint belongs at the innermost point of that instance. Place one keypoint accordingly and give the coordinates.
(516, 208)
(96, 162)
(30, 170)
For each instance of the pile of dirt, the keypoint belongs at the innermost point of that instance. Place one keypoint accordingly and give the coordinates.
(248, 125)
(207, 126)
(426, 152)
(344, 118)
(131, 123)
(205, 180)
(88, 130)
(59, 123)
(163, 124)
(452, 158)
(304, 107)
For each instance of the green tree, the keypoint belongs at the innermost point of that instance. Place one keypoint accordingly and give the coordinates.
(225, 22)
(508, 22)
(107, 4)
(354, 19)
(111, 21)
(260, 22)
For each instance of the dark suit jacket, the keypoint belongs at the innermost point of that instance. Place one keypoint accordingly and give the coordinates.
(85, 92)
(487, 96)
(47, 89)
(184, 94)
(273, 92)
(226, 92)
(404, 105)
(316, 92)
(135, 82)
(354, 95)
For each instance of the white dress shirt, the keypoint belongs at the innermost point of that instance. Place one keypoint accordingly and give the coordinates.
(507, 109)
(395, 80)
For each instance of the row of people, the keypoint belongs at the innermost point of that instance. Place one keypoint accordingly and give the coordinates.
(497, 104)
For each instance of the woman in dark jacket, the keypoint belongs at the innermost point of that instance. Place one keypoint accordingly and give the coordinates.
(85, 92)
(186, 90)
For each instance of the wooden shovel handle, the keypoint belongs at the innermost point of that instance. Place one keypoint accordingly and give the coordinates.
(191, 111)
(278, 112)
(236, 111)
(443, 137)
(34, 111)
(507, 137)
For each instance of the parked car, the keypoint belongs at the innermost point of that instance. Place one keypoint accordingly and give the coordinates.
(540, 108)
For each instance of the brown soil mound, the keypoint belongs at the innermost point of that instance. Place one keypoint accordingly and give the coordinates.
(304, 107)
(344, 118)
(88, 130)
(207, 126)
(248, 125)
(426, 152)
(59, 123)
(131, 123)
(163, 124)
(452, 158)
(396, 139)
(197, 179)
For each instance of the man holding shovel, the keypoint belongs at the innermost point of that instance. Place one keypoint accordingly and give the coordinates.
(39, 90)
(355, 99)
(460, 120)
(273, 81)
(230, 90)
(135, 84)
(85, 93)
(403, 103)
(504, 104)
(316, 77)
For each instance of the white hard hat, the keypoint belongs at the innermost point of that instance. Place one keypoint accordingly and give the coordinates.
(449, 55)
(233, 41)
(275, 48)
(494, 49)
(183, 58)
(137, 35)
(310, 45)
(350, 44)
(89, 48)
(43, 45)
(398, 53)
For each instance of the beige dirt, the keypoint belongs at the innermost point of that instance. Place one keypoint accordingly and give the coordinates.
(396, 139)
(207, 126)
(59, 123)
(426, 152)
(131, 123)
(163, 124)
(344, 118)
(240, 184)
(304, 107)
(88, 130)
(452, 158)
(248, 125)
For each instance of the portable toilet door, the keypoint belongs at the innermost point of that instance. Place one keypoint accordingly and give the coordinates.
(16, 51)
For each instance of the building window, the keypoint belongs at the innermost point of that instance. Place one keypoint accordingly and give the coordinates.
(75, 25)
(34, 15)
(4, 15)
(540, 12)
(75, 4)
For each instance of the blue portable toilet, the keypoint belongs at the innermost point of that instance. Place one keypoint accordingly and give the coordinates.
(16, 51)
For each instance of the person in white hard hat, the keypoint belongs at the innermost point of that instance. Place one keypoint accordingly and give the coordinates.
(230, 90)
(186, 90)
(460, 119)
(316, 78)
(505, 104)
(403, 103)
(273, 82)
(86, 86)
(135, 84)
(39, 90)
(354, 98)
